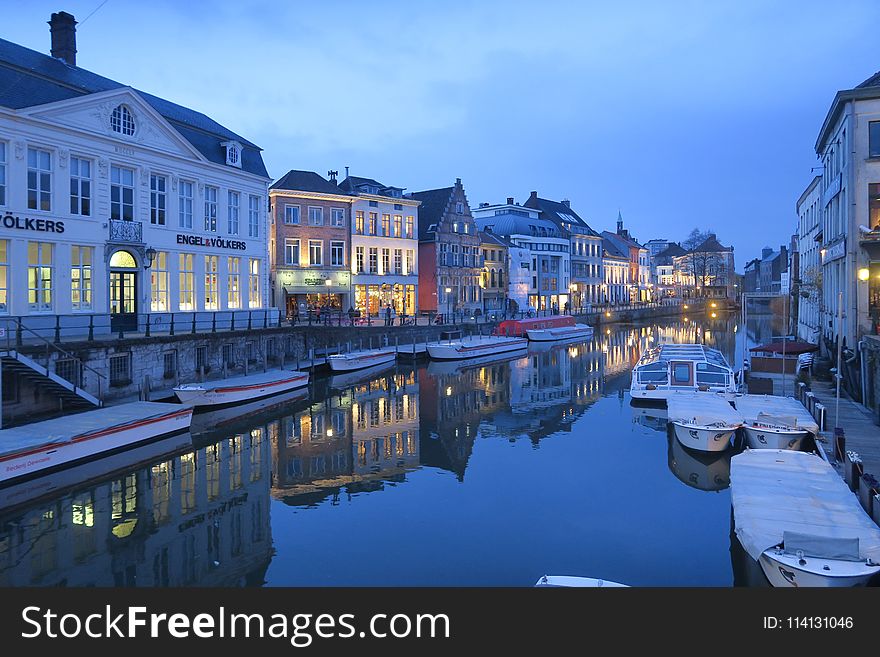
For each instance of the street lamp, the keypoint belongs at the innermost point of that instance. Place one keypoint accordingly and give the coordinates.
(864, 274)
(328, 283)
(448, 302)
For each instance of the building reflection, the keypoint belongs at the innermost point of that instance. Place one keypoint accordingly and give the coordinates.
(355, 438)
(194, 518)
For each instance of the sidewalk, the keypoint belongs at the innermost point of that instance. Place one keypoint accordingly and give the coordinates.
(861, 433)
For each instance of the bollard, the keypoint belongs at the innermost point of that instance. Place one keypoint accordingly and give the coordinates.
(839, 445)
(820, 415)
(868, 488)
(201, 372)
(810, 402)
(146, 387)
(225, 369)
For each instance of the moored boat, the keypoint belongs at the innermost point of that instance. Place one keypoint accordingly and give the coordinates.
(475, 346)
(703, 422)
(668, 368)
(775, 422)
(239, 389)
(558, 334)
(796, 517)
(578, 582)
(553, 328)
(45, 446)
(358, 360)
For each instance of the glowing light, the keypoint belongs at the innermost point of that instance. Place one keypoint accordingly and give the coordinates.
(329, 433)
(449, 391)
(714, 305)
(685, 306)
(714, 315)
(607, 331)
(864, 274)
(607, 314)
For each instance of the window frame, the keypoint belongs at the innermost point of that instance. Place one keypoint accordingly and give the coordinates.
(41, 176)
(122, 187)
(80, 199)
(157, 212)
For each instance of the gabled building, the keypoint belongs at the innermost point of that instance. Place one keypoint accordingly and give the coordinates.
(495, 275)
(639, 263)
(707, 270)
(309, 243)
(450, 260)
(616, 267)
(117, 202)
(585, 249)
(384, 247)
(663, 273)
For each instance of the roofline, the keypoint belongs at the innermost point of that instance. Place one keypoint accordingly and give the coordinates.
(806, 192)
(840, 99)
(386, 199)
(318, 196)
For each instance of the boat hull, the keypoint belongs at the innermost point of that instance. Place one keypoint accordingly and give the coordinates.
(46, 458)
(773, 438)
(559, 334)
(578, 582)
(346, 364)
(463, 350)
(784, 570)
(703, 438)
(196, 395)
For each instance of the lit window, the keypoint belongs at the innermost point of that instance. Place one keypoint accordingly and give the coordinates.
(81, 277)
(233, 283)
(159, 283)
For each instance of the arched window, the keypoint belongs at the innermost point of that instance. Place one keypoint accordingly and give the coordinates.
(123, 260)
(492, 279)
(500, 278)
(122, 121)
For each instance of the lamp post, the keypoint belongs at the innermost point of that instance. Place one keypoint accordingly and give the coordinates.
(328, 282)
(448, 303)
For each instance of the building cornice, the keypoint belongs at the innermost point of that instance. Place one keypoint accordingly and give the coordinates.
(386, 199)
(314, 196)
(837, 105)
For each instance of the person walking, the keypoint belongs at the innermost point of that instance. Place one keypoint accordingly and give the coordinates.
(388, 315)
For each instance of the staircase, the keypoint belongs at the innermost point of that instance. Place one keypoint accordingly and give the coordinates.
(73, 396)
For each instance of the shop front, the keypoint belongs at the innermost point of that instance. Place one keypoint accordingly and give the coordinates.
(304, 291)
(373, 299)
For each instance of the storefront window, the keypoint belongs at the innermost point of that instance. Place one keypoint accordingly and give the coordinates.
(81, 277)
(233, 283)
(187, 282)
(874, 204)
(4, 276)
(159, 283)
(212, 299)
(40, 276)
(254, 299)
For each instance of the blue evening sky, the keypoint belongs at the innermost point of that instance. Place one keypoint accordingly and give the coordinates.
(680, 114)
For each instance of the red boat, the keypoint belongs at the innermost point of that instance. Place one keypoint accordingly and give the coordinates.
(545, 329)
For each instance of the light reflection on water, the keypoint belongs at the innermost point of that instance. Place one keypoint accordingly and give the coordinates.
(486, 474)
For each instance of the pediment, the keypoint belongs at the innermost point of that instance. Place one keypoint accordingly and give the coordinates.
(94, 114)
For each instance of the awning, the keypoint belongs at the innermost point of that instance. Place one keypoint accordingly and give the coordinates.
(289, 291)
(790, 347)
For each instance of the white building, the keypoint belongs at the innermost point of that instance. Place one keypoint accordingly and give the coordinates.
(809, 276)
(616, 268)
(117, 202)
(548, 247)
(384, 247)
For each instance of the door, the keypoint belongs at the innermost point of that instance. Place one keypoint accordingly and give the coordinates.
(123, 301)
(682, 373)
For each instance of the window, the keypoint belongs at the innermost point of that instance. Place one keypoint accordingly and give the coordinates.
(398, 222)
(291, 252)
(212, 301)
(81, 277)
(316, 252)
(681, 373)
(159, 283)
(187, 282)
(2, 173)
(359, 222)
(4, 276)
(374, 261)
(120, 369)
(157, 200)
(254, 216)
(410, 261)
(386, 261)
(122, 121)
(233, 201)
(386, 225)
(121, 193)
(459, 208)
(409, 227)
(337, 254)
(316, 216)
(874, 139)
(373, 190)
(185, 204)
(374, 223)
(39, 179)
(169, 364)
(40, 276)
(211, 209)
(359, 260)
(233, 283)
(80, 185)
(337, 217)
(291, 215)
(69, 369)
(254, 299)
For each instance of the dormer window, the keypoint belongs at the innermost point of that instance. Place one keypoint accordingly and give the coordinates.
(122, 121)
(233, 153)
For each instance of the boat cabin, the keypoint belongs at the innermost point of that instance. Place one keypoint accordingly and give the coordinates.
(519, 327)
(671, 367)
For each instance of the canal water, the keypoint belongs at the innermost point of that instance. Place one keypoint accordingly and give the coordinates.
(430, 474)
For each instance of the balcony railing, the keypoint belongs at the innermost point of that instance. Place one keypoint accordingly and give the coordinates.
(126, 231)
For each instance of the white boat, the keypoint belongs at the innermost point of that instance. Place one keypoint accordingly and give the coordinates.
(475, 346)
(579, 582)
(358, 360)
(673, 367)
(704, 422)
(43, 446)
(775, 422)
(238, 389)
(559, 333)
(796, 517)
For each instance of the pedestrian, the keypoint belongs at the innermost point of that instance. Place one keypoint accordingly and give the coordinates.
(388, 315)
(351, 315)
(393, 315)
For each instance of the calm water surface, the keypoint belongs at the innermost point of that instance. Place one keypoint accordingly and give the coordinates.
(471, 474)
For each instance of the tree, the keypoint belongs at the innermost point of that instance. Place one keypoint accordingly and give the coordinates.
(700, 267)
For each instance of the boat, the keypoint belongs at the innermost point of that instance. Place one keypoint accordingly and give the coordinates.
(579, 582)
(475, 346)
(358, 360)
(704, 422)
(775, 422)
(42, 447)
(545, 329)
(667, 368)
(797, 518)
(238, 389)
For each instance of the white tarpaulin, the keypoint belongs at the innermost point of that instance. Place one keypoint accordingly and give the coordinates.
(702, 408)
(751, 405)
(782, 492)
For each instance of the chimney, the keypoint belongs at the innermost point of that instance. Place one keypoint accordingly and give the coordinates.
(332, 175)
(534, 195)
(566, 203)
(509, 200)
(766, 251)
(346, 172)
(62, 27)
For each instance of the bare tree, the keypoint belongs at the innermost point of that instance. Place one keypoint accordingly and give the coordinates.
(700, 265)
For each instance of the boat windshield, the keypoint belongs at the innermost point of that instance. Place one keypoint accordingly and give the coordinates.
(708, 374)
(653, 373)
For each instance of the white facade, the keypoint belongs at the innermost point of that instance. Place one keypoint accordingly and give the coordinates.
(78, 195)
(616, 288)
(810, 262)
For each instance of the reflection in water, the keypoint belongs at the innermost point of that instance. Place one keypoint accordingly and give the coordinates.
(199, 515)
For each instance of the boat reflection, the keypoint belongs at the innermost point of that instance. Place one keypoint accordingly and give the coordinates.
(703, 471)
(653, 417)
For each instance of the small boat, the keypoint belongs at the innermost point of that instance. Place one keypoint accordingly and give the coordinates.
(41, 447)
(238, 389)
(545, 329)
(775, 422)
(475, 346)
(797, 518)
(703, 422)
(668, 368)
(579, 582)
(358, 360)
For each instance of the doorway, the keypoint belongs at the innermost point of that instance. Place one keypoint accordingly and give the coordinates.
(123, 292)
